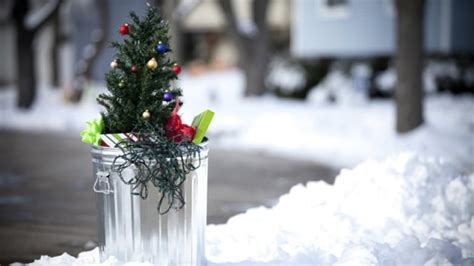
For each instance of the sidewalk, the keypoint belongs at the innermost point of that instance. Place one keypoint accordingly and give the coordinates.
(47, 205)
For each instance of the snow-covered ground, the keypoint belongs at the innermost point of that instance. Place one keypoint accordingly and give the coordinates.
(405, 210)
(342, 134)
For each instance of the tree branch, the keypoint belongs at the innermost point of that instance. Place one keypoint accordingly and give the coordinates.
(39, 18)
(99, 38)
(232, 22)
(260, 8)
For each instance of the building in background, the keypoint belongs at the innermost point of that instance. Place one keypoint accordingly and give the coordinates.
(366, 28)
(206, 23)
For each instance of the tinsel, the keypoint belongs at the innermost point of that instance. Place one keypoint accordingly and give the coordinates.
(159, 162)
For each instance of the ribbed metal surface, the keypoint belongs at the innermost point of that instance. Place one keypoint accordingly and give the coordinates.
(130, 229)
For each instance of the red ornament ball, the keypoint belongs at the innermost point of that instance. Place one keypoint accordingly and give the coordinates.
(176, 69)
(134, 69)
(123, 29)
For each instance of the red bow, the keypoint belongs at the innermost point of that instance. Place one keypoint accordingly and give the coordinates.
(175, 129)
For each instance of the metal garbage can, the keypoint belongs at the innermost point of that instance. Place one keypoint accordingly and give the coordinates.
(131, 228)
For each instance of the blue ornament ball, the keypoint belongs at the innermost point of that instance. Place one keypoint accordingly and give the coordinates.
(161, 48)
(168, 96)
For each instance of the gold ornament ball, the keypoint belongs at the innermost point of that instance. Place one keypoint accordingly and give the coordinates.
(152, 64)
(114, 64)
(146, 115)
(121, 84)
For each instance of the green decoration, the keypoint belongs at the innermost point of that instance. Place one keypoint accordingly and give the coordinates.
(201, 123)
(91, 134)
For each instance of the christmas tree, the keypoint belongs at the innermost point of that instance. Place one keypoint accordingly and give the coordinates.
(141, 113)
(141, 75)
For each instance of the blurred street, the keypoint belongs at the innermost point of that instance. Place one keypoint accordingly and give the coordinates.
(47, 205)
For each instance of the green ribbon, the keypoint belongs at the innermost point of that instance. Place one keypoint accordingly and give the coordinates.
(201, 124)
(91, 134)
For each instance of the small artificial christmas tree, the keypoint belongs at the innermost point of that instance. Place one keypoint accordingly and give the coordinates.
(141, 113)
(140, 77)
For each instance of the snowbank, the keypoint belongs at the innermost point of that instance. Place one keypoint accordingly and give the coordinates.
(339, 135)
(406, 210)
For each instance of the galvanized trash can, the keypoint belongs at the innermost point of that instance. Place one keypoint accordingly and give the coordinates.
(131, 229)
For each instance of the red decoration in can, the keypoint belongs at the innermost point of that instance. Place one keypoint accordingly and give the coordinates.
(175, 129)
(187, 133)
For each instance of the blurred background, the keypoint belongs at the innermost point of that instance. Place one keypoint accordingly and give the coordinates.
(301, 89)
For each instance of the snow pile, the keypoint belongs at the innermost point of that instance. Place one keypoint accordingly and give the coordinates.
(285, 75)
(336, 86)
(406, 210)
(434, 70)
(386, 80)
(84, 259)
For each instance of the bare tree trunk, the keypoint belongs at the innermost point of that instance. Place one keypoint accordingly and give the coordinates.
(99, 37)
(260, 47)
(55, 50)
(92, 50)
(25, 56)
(409, 65)
(253, 47)
(25, 35)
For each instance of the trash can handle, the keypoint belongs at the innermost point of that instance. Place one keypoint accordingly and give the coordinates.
(102, 183)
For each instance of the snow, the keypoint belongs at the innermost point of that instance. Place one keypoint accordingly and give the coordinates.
(285, 75)
(342, 134)
(404, 210)
(386, 80)
(407, 201)
(338, 86)
(84, 259)
(401, 210)
(434, 69)
(49, 113)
